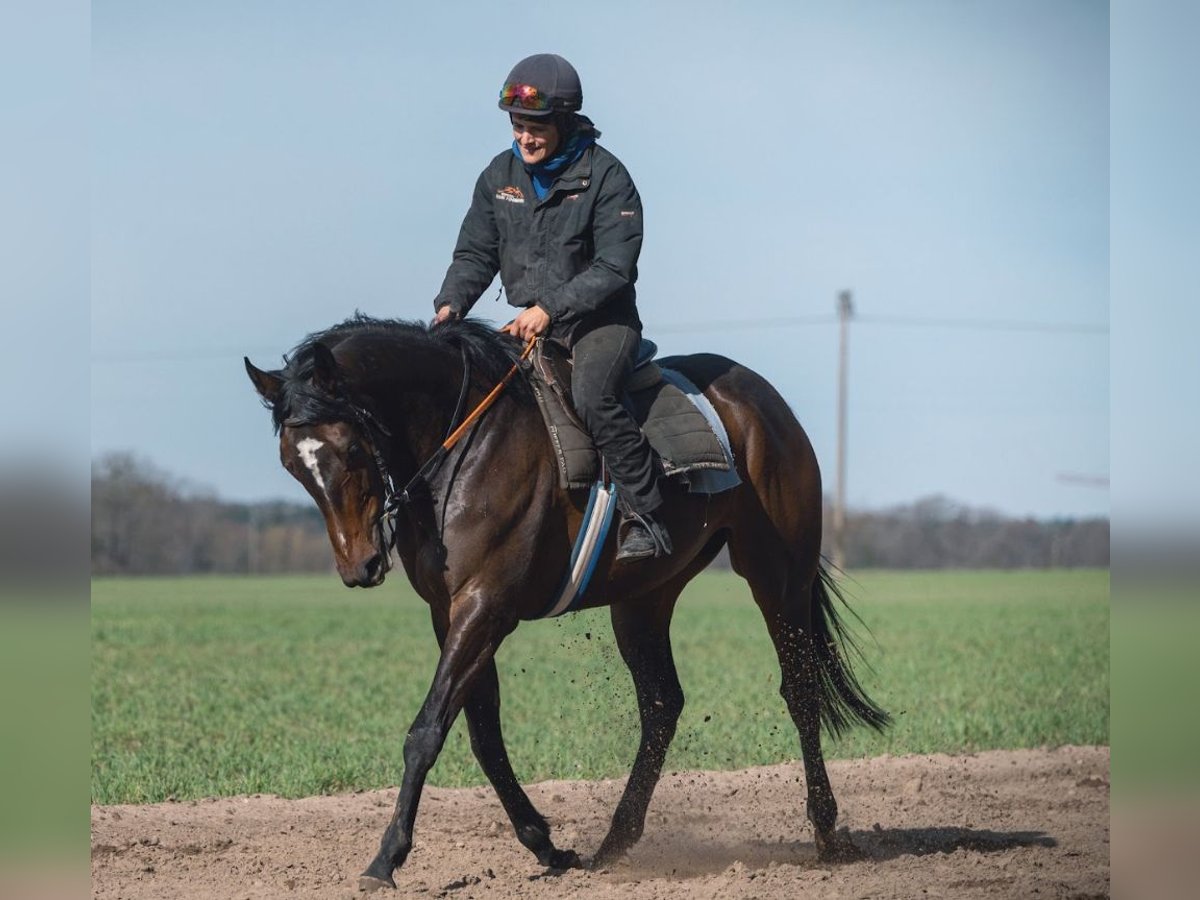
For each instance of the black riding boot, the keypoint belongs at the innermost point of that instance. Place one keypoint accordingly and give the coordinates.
(642, 537)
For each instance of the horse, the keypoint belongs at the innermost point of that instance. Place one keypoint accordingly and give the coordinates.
(485, 532)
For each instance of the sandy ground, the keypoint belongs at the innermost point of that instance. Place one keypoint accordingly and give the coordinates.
(1029, 823)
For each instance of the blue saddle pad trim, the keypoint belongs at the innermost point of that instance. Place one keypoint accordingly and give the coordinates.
(589, 545)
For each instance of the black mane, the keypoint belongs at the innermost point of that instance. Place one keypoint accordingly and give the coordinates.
(492, 353)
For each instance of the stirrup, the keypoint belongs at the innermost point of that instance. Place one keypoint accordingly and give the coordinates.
(655, 540)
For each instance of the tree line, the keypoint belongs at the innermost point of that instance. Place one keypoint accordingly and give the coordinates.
(937, 533)
(147, 522)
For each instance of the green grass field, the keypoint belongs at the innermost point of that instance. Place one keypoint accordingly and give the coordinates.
(297, 686)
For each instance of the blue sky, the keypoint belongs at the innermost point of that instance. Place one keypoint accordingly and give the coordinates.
(261, 170)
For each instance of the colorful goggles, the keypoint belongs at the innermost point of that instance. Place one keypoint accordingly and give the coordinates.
(524, 96)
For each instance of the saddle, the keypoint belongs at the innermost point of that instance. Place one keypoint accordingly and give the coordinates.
(680, 434)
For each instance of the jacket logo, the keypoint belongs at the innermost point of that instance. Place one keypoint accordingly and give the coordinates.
(510, 194)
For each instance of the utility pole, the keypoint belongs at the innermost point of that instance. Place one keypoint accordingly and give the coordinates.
(845, 311)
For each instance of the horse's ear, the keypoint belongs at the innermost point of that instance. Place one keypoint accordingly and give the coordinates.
(325, 369)
(268, 384)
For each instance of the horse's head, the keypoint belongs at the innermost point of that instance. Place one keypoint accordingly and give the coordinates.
(325, 447)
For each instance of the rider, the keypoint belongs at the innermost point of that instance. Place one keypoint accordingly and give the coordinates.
(559, 218)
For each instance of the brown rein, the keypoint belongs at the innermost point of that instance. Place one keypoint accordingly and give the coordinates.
(454, 437)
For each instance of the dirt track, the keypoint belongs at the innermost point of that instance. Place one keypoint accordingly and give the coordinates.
(997, 824)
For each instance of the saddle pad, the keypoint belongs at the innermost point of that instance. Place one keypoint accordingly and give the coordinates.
(676, 428)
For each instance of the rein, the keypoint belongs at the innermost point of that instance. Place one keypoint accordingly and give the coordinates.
(418, 485)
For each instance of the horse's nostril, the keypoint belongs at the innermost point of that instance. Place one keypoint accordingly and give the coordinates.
(374, 567)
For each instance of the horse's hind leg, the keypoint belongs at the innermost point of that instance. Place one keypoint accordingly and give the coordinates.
(487, 741)
(642, 628)
(783, 591)
(801, 690)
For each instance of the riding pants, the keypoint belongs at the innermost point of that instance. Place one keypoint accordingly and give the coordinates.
(603, 360)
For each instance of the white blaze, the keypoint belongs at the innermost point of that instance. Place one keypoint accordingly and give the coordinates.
(308, 455)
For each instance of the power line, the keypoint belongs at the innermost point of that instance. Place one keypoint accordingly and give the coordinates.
(985, 324)
(184, 356)
(1094, 481)
(756, 324)
(897, 321)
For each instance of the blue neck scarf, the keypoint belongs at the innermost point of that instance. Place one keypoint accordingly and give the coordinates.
(543, 174)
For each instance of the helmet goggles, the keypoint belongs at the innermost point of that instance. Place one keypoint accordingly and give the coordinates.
(525, 97)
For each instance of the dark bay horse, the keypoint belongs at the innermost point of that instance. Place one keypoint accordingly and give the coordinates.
(361, 406)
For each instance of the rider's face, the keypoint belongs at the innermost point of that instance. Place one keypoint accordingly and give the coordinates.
(536, 138)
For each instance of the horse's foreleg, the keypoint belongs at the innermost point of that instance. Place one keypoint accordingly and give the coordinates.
(487, 742)
(469, 647)
(642, 627)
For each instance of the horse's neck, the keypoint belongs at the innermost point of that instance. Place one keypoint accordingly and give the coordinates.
(417, 398)
(417, 392)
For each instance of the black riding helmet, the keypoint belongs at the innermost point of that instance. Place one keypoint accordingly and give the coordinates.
(544, 84)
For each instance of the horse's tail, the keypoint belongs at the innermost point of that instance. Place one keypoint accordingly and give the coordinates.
(843, 701)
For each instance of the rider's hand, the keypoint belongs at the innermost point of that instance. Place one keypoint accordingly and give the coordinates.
(531, 322)
(444, 313)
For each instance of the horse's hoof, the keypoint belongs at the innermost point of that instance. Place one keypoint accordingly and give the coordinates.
(561, 860)
(369, 884)
(838, 848)
(603, 859)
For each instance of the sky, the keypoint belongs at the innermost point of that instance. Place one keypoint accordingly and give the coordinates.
(261, 170)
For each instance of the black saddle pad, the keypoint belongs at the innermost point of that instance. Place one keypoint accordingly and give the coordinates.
(677, 431)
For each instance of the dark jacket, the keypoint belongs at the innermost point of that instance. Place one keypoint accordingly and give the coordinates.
(573, 253)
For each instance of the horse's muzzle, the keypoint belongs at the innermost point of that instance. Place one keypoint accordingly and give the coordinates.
(369, 573)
